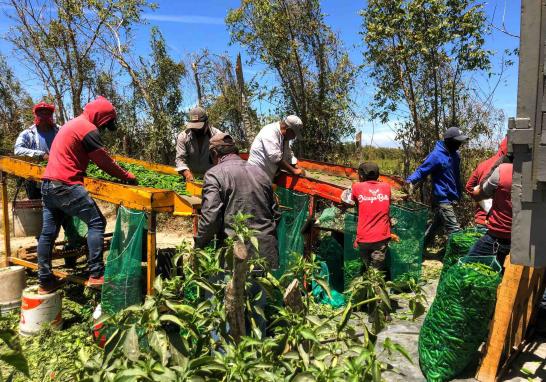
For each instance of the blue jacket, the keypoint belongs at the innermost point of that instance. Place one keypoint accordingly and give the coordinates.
(445, 170)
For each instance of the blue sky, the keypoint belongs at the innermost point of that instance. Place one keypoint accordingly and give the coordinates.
(190, 25)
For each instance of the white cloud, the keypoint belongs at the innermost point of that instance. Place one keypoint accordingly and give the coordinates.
(185, 19)
(383, 138)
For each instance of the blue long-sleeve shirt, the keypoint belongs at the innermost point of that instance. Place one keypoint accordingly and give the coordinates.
(444, 168)
(33, 143)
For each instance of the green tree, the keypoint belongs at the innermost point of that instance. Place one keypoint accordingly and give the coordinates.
(314, 73)
(15, 106)
(222, 90)
(60, 41)
(419, 53)
(160, 76)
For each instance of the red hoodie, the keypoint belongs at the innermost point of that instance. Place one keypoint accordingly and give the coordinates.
(79, 141)
(479, 174)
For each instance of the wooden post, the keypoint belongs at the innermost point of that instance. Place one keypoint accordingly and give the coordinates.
(517, 296)
(5, 212)
(235, 292)
(151, 253)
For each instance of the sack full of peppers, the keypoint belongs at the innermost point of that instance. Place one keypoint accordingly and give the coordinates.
(458, 319)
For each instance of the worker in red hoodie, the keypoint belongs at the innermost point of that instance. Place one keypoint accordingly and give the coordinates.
(374, 227)
(77, 142)
(481, 171)
(497, 185)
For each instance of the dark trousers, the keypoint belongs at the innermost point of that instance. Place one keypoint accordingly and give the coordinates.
(489, 245)
(32, 189)
(444, 217)
(374, 255)
(60, 200)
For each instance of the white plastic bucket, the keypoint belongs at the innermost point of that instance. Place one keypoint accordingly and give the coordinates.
(38, 309)
(12, 283)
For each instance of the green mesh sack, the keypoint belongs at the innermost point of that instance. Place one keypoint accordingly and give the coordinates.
(406, 256)
(75, 232)
(337, 300)
(458, 319)
(294, 212)
(331, 252)
(458, 245)
(123, 273)
(352, 263)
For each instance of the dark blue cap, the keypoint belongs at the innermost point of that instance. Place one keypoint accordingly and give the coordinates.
(455, 133)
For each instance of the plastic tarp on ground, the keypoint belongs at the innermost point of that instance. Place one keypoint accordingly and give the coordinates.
(123, 273)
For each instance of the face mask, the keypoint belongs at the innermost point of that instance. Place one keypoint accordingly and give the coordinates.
(452, 145)
(111, 125)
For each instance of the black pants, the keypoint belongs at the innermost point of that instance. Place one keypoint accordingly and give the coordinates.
(32, 189)
(374, 255)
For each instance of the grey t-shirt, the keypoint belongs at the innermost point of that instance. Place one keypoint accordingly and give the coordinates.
(492, 183)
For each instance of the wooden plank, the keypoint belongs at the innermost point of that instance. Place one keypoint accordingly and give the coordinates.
(139, 198)
(5, 216)
(22, 168)
(150, 274)
(136, 197)
(185, 205)
(61, 274)
(516, 299)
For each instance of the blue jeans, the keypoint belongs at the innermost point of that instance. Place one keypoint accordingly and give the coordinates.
(60, 200)
(489, 245)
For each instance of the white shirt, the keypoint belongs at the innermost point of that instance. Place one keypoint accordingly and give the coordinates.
(269, 147)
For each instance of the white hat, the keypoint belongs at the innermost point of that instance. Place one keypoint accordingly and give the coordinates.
(294, 123)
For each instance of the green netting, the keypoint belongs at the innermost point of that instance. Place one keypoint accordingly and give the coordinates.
(75, 232)
(458, 245)
(332, 218)
(409, 224)
(331, 252)
(294, 208)
(337, 300)
(352, 264)
(123, 274)
(458, 319)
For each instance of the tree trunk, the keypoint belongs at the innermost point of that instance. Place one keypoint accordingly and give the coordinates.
(197, 84)
(235, 292)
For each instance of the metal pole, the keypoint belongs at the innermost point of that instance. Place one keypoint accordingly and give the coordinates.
(5, 212)
(151, 253)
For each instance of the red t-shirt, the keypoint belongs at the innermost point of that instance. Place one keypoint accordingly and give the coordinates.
(500, 217)
(483, 169)
(78, 142)
(374, 201)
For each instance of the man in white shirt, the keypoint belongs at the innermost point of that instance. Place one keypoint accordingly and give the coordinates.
(271, 148)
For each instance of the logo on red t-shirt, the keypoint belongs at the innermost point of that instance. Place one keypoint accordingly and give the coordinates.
(375, 196)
